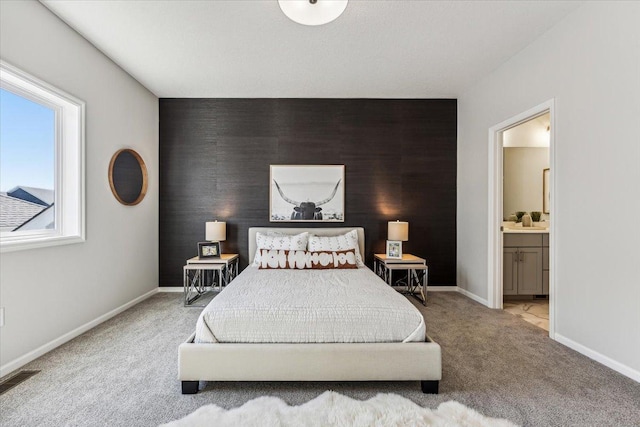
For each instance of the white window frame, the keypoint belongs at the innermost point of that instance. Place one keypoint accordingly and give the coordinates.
(69, 186)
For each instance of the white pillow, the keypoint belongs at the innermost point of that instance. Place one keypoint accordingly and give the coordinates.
(297, 242)
(342, 242)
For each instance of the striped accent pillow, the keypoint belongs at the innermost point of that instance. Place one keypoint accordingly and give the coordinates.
(303, 260)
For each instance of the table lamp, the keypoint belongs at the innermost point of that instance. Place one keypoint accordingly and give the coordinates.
(216, 231)
(397, 232)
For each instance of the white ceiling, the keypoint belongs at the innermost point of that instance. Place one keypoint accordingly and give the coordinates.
(250, 49)
(532, 133)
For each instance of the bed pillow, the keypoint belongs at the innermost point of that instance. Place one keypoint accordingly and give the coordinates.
(302, 260)
(342, 242)
(296, 242)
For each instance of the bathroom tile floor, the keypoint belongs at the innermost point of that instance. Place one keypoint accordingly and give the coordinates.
(532, 311)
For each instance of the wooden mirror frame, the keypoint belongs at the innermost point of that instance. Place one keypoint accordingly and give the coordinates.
(143, 170)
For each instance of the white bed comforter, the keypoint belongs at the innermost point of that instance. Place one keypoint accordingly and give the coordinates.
(309, 306)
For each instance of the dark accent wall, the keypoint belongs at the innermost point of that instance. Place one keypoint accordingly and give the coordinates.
(399, 157)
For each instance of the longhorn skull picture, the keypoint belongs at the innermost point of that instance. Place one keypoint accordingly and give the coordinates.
(306, 189)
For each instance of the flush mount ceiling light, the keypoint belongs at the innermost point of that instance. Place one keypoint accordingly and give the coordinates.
(313, 12)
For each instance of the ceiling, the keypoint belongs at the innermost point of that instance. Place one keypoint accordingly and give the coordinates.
(250, 49)
(532, 133)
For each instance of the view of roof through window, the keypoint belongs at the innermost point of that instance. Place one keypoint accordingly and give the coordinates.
(27, 164)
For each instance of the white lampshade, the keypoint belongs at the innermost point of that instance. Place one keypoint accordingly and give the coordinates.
(398, 230)
(216, 231)
(312, 12)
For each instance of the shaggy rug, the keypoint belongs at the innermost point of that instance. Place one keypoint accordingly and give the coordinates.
(334, 409)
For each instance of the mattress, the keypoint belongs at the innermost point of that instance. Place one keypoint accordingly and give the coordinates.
(309, 306)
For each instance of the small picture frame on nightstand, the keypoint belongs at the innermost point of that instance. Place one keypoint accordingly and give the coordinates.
(208, 250)
(394, 249)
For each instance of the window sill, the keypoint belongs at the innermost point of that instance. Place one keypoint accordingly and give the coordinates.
(38, 242)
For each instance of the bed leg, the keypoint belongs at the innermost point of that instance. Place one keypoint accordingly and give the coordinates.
(189, 387)
(429, 387)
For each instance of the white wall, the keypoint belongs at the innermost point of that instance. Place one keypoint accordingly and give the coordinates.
(522, 184)
(590, 64)
(49, 292)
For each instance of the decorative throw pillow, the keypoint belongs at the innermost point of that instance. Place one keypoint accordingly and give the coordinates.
(301, 260)
(279, 241)
(342, 242)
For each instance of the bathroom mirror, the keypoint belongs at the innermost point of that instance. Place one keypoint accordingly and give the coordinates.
(128, 177)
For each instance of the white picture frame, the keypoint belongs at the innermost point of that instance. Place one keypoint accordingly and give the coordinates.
(306, 193)
(394, 249)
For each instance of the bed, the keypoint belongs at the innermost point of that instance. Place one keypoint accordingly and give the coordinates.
(233, 343)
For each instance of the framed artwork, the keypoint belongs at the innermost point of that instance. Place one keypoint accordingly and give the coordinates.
(306, 193)
(394, 249)
(209, 250)
(545, 190)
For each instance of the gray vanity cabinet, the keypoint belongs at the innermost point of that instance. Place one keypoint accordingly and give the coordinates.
(510, 271)
(524, 265)
(530, 271)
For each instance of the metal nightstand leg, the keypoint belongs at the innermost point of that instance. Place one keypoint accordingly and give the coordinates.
(192, 283)
(416, 282)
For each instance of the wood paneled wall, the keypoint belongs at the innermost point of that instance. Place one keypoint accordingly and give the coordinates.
(399, 157)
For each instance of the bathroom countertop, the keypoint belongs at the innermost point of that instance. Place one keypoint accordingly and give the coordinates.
(525, 230)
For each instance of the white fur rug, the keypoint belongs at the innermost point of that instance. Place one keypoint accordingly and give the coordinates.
(334, 409)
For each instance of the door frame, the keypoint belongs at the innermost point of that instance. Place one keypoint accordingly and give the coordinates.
(495, 246)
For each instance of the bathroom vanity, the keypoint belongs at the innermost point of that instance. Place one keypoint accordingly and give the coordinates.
(526, 262)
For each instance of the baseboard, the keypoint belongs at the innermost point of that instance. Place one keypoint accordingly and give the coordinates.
(170, 289)
(474, 297)
(442, 289)
(32, 355)
(600, 358)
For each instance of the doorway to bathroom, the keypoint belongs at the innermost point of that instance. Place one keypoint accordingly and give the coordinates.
(525, 226)
(521, 165)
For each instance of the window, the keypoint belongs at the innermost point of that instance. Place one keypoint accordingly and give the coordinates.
(27, 164)
(41, 163)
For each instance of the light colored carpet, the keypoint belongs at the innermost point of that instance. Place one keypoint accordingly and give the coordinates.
(334, 409)
(124, 373)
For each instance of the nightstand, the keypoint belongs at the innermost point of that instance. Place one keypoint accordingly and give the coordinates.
(229, 261)
(223, 269)
(417, 273)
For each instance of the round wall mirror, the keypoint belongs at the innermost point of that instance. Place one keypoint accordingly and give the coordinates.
(128, 177)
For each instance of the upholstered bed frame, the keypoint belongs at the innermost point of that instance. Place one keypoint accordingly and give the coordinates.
(411, 361)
